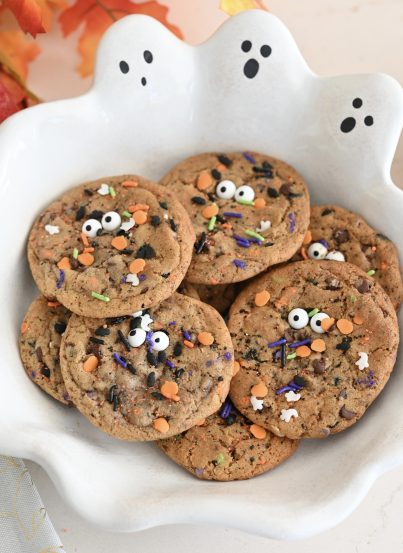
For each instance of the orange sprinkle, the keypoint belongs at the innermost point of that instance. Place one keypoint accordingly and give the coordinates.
(365, 339)
(170, 390)
(235, 368)
(204, 180)
(53, 304)
(257, 431)
(327, 323)
(47, 254)
(138, 207)
(318, 345)
(259, 390)
(24, 327)
(140, 217)
(200, 422)
(205, 338)
(260, 203)
(358, 319)
(221, 167)
(119, 242)
(89, 250)
(345, 326)
(64, 263)
(130, 183)
(213, 281)
(161, 425)
(307, 238)
(286, 297)
(84, 239)
(226, 225)
(210, 211)
(137, 265)
(303, 351)
(261, 298)
(304, 255)
(90, 364)
(188, 344)
(86, 259)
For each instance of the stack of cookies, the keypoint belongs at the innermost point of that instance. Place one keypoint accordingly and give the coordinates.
(136, 278)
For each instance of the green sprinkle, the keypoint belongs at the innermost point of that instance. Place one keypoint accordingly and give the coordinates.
(255, 235)
(291, 355)
(313, 312)
(211, 223)
(246, 202)
(371, 272)
(75, 253)
(100, 297)
(112, 191)
(220, 459)
(353, 298)
(127, 214)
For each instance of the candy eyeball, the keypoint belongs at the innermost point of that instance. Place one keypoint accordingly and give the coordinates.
(245, 193)
(225, 189)
(316, 322)
(317, 251)
(335, 255)
(160, 341)
(111, 220)
(91, 227)
(136, 337)
(298, 318)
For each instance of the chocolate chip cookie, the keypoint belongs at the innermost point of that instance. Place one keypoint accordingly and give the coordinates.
(249, 212)
(152, 374)
(41, 334)
(110, 247)
(316, 342)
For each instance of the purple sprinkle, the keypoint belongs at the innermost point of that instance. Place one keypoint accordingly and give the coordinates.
(123, 280)
(233, 214)
(369, 381)
(142, 277)
(294, 386)
(305, 342)
(240, 264)
(291, 387)
(278, 343)
(277, 354)
(60, 280)
(228, 355)
(91, 393)
(66, 396)
(324, 243)
(190, 373)
(172, 323)
(119, 360)
(199, 472)
(226, 409)
(248, 157)
(240, 238)
(186, 335)
(243, 244)
(169, 364)
(291, 217)
(33, 374)
(209, 363)
(149, 340)
(255, 241)
(282, 390)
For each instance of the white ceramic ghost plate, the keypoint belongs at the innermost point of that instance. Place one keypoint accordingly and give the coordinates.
(248, 87)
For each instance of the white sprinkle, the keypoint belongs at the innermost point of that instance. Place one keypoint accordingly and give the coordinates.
(52, 229)
(127, 225)
(257, 404)
(335, 255)
(288, 414)
(146, 320)
(133, 278)
(103, 190)
(264, 225)
(292, 396)
(166, 216)
(362, 362)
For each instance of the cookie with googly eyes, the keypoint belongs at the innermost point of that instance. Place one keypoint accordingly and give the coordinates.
(249, 211)
(227, 446)
(41, 334)
(341, 235)
(152, 374)
(316, 342)
(111, 246)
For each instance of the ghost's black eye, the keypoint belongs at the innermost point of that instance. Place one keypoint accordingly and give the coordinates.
(124, 66)
(148, 56)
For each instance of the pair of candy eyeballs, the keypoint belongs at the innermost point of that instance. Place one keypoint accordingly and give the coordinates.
(298, 318)
(137, 337)
(110, 221)
(317, 250)
(226, 190)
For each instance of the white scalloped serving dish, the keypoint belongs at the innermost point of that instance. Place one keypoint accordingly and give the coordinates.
(197, 99)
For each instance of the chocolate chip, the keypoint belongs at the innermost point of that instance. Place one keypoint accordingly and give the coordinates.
(101, 331)
(200, 244)
(145, 252)
(135, 323)
(346, 414)
(272, 193)
(251, 354)
(198, 200)
(124, 340)
(216, 174)
(363, 286)
(319, 366)
(39, 354)
(151, 379)
(285, 189)
(152, 359)
(299, 381)
(97, 341)
(327, 211)
(162, 357)
(173, 225)
(155, 220)
(341, 236)
(80, 213)
(178, 373)
(165, 275)
(164, 205)
(111, 393)
(343, 394)
(96, 214)
(344, 344)
(131, 368)
(230, 419)
(60, 327)
(333, 284)
(117, 320)
(289, 335)
(157, 395)
(383, 237)
(224, 160)
(45, 371)
(88, 192)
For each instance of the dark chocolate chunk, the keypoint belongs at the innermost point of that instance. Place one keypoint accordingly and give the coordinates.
(341, 236)
(145, 252)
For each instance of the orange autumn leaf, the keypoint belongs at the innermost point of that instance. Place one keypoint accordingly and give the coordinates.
(97, 16)
(17, 51)
(232, 7)
(33, 16)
